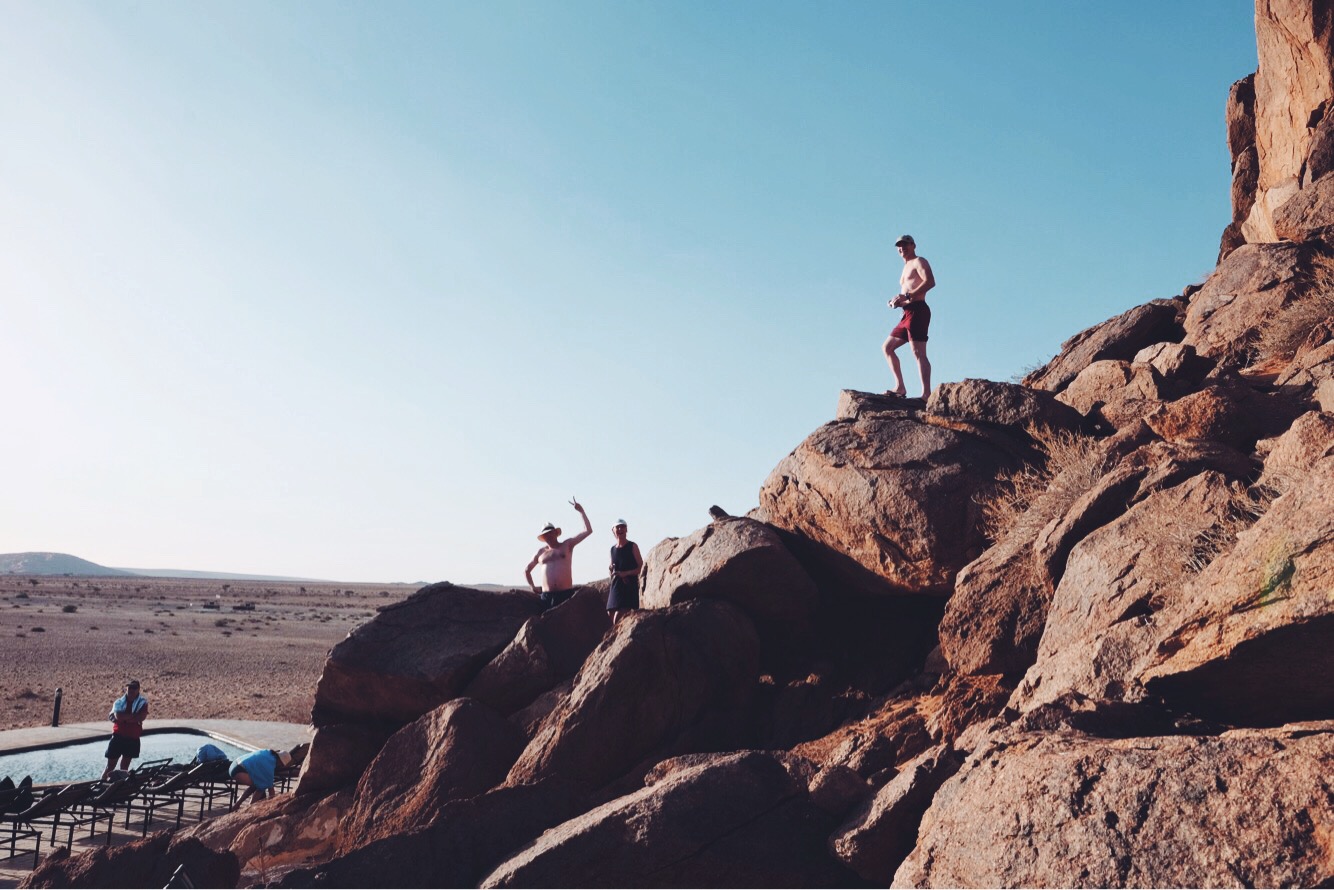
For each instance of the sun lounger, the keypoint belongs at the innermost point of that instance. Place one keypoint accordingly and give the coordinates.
(61, 809)
(12, 831)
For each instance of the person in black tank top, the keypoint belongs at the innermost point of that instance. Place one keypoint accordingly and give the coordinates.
(625, 565)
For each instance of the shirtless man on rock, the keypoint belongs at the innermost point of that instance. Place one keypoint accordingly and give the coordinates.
(915, 280)
(554, 562)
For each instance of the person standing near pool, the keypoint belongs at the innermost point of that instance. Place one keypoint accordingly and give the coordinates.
(257, 771)
(127, 725)
(623, 594)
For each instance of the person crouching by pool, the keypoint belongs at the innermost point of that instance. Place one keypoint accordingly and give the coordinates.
(256, 771)
(623, 594)
(127, 724)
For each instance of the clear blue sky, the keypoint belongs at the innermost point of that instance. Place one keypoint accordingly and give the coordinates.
(366, 291)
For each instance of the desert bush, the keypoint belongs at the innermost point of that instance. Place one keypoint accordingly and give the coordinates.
(69, 609)
(1243, 510)
(37, 630)
(1313, 304)
(1028, 498)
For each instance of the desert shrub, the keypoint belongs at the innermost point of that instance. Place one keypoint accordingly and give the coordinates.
(21, 596)
(69, 609)
(1026, 499)
(37, 630)
(1313, 304)
(1243, 510)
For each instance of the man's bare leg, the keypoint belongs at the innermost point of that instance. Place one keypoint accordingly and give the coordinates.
(891, 344)
(923, 367)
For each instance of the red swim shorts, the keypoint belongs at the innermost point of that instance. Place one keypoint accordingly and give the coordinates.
(916, 319)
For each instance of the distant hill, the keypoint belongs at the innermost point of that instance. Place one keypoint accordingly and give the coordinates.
(52, 564)
(65, 564)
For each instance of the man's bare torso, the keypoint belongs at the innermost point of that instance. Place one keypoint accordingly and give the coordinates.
(913, 276)
(554, 567)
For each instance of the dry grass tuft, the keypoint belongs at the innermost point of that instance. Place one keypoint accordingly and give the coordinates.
(1028, 498)
(1314, 304)
(1243, 510)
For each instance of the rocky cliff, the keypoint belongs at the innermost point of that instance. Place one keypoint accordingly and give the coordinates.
(1072, 632)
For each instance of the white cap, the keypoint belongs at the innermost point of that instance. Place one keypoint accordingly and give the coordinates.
(621, 522)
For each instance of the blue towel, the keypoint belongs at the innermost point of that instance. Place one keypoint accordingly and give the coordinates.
(207, 753)
(121, 706)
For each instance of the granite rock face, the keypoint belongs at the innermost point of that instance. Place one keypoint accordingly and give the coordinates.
(460, 749)
(738, 820)
(734, 559)
(1117, 339)
(885, 504)
(418, 654)
(1249, 808)
(1263, 604)
(548, 650)
(1004, 404)
(1294, 85)
(662, 681)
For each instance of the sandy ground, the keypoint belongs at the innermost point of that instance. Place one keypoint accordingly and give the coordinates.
(87, 635)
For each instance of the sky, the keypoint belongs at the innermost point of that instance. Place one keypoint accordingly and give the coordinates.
(369, 291)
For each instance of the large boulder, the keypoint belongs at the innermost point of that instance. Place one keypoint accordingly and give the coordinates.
(1294, 87)
(1246, 291)
(1117, 393)
(996, 617)
(1211, 413)
(876, 840)
(1099, 631)
(150, 862)
(738, 820)
(466, 839)
(1177, 363)
(1245, 160)
(275, 835)
(1246, 808)
(460, 749)
(1291, 455)
(1005, 404)
(547, 650)
(1262, 607)
(1308, 213)
(338, 753)
(1118, 338)
(664, 679)
(993, 622)
(417, 654)
(885, 504)
(734, 559)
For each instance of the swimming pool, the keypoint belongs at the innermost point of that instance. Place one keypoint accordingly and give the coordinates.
(85, 760)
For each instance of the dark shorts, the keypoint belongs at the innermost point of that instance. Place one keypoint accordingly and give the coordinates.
(623, 595)
(122, 746)
(551, 598)
(916, 319)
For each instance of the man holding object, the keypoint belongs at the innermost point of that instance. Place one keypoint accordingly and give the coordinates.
(915, 280)
(127, 724)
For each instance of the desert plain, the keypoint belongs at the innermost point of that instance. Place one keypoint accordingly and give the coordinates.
(202, 648)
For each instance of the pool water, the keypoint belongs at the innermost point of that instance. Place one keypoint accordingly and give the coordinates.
(86, 760)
